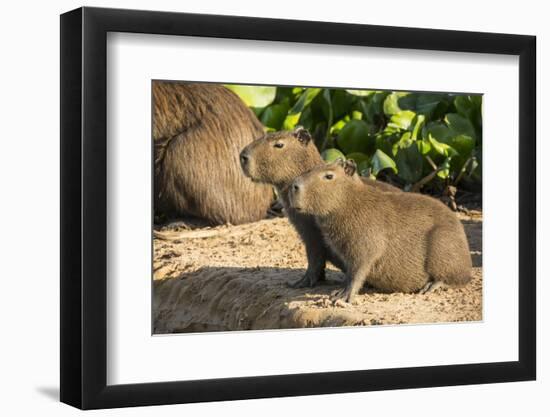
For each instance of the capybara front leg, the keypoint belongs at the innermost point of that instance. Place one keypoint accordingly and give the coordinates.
(356, 278)
(316, 261)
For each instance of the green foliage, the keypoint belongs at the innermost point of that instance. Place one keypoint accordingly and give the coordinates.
(409, 136)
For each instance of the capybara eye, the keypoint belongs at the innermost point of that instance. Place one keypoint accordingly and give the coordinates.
(279, 145)
(329, 176)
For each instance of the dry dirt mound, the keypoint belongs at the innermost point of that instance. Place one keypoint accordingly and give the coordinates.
(234, 278)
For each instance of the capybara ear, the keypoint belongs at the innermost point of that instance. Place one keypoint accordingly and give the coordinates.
(302, 135)
(350, 167)
(341, 162)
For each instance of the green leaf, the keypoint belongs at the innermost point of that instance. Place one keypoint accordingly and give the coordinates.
(463, 144)
(291, 121)
(358, 157)
(418, 124)
(391, 103)
(439, 131)
(442, 148)
(306, 119)
(364, 169)
(424, 146)
(467, 106)
(342, 103)
(361, 93)
(460, 125)
(372, 106)
(404, 142)
(391, 129)
(284, 94)
(254, 96)
(464, 106)
(410, 164)
(327, 106)
(385, 141)
(470, 108)
(332, 154)
(306, 97)
(402, 119)
(354, 137)
(338, 126)
(476, 100)
(431, 105)
(274, 116)
(381, 161)
(444, 169)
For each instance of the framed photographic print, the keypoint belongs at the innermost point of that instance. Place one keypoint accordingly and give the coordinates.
(257, 208)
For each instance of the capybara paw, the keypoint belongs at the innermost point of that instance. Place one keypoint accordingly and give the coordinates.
(337, 294)
(432, 286)
(351, 299)
(303, 282)
(342, 298)
(340, 303)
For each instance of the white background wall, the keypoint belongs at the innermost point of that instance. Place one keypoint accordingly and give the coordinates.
(29, 220)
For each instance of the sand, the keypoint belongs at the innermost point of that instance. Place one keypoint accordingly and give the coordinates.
(234, 278)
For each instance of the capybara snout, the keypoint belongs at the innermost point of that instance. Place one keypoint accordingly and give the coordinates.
(244, 159)
(294, 194)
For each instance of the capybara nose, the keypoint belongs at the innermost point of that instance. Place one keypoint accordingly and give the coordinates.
(244, 158)
(295, 187)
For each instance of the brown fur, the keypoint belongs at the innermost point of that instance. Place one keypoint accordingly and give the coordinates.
(279, 166)
(393, 241)
(198, 131)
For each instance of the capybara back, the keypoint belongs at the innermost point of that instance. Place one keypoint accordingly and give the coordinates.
(198, 132)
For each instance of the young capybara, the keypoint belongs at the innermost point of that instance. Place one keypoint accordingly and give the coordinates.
(198, 131)
(277, 159)
(403, 242)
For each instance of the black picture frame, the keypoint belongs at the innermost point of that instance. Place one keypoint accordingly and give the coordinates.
(84, 207)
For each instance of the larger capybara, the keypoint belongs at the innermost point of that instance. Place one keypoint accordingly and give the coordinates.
(198, 132)
(277, 159)
(404, 242)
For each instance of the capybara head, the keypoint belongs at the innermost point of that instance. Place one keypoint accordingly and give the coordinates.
(321, 190)
(278, 158)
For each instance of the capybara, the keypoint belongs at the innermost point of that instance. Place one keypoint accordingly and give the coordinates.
(277, 159)
(198, 131)
(396, 242)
